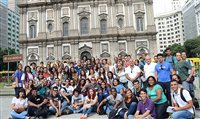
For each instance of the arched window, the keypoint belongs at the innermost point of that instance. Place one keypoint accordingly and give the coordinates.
(32, 31)
(140, 23)
(50, 27)
(84, 27)
(120, 23)
(103, 26)
(65, 29)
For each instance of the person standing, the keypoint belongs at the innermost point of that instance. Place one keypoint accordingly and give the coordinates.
(163, 71)
(18, 81)
(149, 69)
(169, 58)
(182, 68)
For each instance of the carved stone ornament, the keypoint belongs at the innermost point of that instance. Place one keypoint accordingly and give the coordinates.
(65, 57)
(123, 53)
(141, 44)
(51, 57)
(103, 16)
(33, 57)
(32, 50)
(32, 16)
(65, 19)
(105, 54)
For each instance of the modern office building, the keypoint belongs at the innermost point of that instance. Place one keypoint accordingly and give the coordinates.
(189, 20)
(13, 30)
(3, 26)
(9, 28)
(4, 2)
(60, 30)
(170, 29)
(197, 14)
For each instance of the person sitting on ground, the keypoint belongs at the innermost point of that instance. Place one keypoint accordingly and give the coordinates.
(145, 108)
(19, 105)
(114, 101)
(36, 105)
(118, 86)
(181, 102)
(76, 102)
(131, 104)
(156, 94)
(136, 89)
(55, 102)
(90, 103)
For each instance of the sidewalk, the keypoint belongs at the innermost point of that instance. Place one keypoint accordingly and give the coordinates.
(7, 91)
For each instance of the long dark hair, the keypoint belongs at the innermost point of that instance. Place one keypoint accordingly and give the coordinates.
(91, 96)
(155, 82)
(26, 73)
(24, 93)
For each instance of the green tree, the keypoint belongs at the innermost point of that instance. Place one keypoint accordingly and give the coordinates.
(4, 66)
(176, 48)
(192, 47)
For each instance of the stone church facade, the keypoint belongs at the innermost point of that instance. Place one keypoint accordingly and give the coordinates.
(70, 29)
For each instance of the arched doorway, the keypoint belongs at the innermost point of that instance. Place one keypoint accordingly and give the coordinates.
(86, 54)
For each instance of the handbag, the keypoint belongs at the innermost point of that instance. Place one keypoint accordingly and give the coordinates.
(14, 85)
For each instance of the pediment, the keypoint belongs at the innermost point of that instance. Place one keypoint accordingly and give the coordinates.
(105, 54)
(84, 13)
(66, 56)
(50, 57)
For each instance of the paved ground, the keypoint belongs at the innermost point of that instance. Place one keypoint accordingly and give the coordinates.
(5, 111)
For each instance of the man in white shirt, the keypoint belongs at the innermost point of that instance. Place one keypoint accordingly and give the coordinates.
(132, 72)
(181, 102)
(149, 69)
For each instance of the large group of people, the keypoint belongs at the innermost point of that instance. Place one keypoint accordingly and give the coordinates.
(127, 88)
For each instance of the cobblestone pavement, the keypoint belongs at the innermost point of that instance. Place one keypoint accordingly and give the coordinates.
(5, 109)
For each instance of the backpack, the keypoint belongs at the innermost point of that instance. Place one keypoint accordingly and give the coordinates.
(194, 100)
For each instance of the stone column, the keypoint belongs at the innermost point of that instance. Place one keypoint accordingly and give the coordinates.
(150, 15)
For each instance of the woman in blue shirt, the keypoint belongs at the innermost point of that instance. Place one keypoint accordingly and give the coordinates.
(156, 94)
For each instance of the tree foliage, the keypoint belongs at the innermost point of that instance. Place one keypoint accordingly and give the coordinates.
(4, 66)
(193, 47)
(176, 48)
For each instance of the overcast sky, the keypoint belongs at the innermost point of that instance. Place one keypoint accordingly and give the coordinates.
(162, 6)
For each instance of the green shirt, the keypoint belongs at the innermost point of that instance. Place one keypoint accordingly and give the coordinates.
(152, 94)
(182, 68)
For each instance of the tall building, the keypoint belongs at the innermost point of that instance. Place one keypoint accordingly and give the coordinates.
(197, 15)
(4, 2)
(9, 28)
(178, 4)
(189, 20)
(165, 6)
(13, 30)
(12, 5)
(170, 30)
(60, 30)
(3, 26)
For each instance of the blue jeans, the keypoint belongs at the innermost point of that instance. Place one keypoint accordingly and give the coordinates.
(166, 89)
(108, 108)
(21, 115)
(63, 107)
(79, 110)
(183, 114)
(161, 110)
(131, 110)
(89, 110)
(189, 87)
